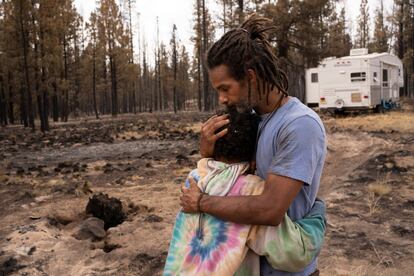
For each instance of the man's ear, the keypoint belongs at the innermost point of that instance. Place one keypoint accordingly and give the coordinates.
(251, 76)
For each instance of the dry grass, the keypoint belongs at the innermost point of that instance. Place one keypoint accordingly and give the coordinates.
(376, 191)
(195, 127)
(182, 171)
(365, 270)
(3, 178)
(396, 121)
(379, 188)
(355, 268)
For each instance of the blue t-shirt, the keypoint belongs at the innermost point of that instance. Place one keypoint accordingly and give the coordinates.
(292, 143)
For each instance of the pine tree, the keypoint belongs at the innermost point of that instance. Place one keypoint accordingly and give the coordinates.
(3, 99)
(203, 38)
(174, 66)
(183, 78)
(381, 36)
(240, 11)
(403, 18)
(92, 27)
(301, 37)
(223, 17)
(338, 41)
(10, 64)
(22, 11)
(165, 75)
(111, 31)
(363, 26)
(67, 28)
(206, 39)
(132, 68)
(198, 52)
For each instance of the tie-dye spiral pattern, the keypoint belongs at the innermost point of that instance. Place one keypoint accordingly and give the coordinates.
(213, 249)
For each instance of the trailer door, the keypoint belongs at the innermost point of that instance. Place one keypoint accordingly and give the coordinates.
(312, 87)
(394, 83)
(385, 81)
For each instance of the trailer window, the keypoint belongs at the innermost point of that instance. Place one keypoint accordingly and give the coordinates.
(314, 77)
(358, 76)
(384, 78)
(374, 77)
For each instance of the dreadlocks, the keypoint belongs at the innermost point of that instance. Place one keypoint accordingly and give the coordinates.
(248, 47)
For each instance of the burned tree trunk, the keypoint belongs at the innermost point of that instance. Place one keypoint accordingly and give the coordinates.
(37, 83)
(23, 108)
(206, 97)
(3, 104)
(95, 108)
(241, 11)
(11, 108)
(114, 92)
(27, 105)
(65, 91)
(44, 114)
(199, 56)
(55, 102)
(174, 65)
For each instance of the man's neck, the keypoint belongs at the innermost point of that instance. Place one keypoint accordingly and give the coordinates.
(276, 100)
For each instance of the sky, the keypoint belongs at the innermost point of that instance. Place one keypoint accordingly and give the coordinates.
(169, 12)
(352, 10)
(180, 12)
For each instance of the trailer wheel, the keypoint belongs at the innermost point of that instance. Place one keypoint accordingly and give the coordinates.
(339, 104)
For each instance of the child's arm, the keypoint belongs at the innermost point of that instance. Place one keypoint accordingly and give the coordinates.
(194, 175)
(291, 246)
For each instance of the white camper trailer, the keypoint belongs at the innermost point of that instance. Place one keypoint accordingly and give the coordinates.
(357, 81)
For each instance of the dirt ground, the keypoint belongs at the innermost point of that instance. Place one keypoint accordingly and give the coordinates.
(46, 181)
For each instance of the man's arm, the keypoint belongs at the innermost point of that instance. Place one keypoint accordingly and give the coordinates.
(268, 208)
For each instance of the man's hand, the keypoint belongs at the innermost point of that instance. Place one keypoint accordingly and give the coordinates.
(208, 135)
(189, 197)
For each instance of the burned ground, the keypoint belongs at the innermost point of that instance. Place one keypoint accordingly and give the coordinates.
(368, 186)
(47, 180)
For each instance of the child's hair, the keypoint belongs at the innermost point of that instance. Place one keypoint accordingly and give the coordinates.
(239, 144)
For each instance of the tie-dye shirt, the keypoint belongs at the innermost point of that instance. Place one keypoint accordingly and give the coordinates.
(202, 244)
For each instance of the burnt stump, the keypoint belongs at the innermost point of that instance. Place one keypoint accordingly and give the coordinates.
(108, 209)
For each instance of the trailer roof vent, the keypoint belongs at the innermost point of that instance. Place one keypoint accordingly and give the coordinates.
(359, 52)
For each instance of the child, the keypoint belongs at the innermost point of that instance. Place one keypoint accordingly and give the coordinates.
(205, 245)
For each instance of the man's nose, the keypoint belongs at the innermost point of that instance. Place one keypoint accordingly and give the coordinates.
(223, 99)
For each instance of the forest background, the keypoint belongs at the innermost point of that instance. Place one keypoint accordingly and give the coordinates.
(56, 64)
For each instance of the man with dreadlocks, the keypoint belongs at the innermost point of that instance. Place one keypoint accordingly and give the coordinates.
(291, 140)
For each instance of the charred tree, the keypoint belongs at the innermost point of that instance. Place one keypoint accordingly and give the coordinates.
(3, 104)
(174, 62)
(55, 102)
(206, 98)
(199, 55)
(27, 105)
(11, 105)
